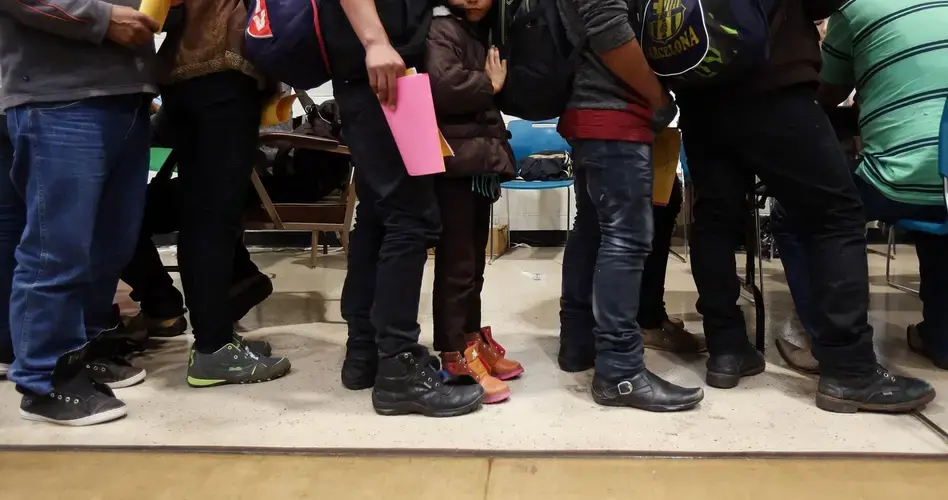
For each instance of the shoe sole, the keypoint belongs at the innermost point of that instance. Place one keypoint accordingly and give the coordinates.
(728, 381)
(133, 380)
(198, 383)
(793, 366)
(675, 351)
(176, 330)
(98, 418)
(652, 408)
(575, 367)
(836, 405)
(497, 398)
(412, 407)
(507, 376)
(921, 352)
(358, 387)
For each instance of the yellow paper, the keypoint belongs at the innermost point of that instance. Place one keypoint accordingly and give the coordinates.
(157, 10)
(665, 153)
(278, 110)
(445, 147)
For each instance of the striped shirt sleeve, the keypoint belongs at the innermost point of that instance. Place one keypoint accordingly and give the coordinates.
(838, 52)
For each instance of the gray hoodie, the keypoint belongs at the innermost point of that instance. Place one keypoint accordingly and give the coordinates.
(56, 50)
(601, 107)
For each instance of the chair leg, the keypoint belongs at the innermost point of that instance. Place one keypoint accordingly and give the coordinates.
(890, 251)
(508, 224)
(314, 250)
(490, 237)
(344, 240)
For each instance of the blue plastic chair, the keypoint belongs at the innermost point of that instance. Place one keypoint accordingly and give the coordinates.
(527, 138)
(936, 228)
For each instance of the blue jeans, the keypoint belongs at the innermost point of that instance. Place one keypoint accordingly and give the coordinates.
(931, 249)
(794, 259)
(605, 255)
(12, 220)
(82, 168)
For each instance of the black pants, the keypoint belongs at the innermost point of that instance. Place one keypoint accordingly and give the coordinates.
(784, 138)
(459, 262)
(216, 120)
(151, 284)
(396, 220)
(652, 298)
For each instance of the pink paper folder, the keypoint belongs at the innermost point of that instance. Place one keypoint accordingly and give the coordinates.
(414, 126)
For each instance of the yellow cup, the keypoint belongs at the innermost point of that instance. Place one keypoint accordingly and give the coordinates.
(157, 10)
(277, 111)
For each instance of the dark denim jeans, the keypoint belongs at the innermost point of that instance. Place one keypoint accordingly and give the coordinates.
(12, 221)
(216, 120)
(932, 262)
(82, 167)
(785, 139)
(793, 258)
(605, 255)
(396, 220)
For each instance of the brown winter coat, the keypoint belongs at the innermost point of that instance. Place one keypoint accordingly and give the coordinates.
(464, 99)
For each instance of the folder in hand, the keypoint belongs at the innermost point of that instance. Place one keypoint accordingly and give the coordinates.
(157, 10)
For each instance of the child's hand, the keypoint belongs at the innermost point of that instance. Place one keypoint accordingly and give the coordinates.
(496, 69)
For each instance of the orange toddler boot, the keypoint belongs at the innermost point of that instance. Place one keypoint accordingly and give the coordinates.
(470, 364)
(493, 355)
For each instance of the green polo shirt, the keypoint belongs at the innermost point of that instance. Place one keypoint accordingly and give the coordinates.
(895, 54)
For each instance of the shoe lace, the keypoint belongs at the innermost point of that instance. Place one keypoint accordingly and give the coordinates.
(247, 352)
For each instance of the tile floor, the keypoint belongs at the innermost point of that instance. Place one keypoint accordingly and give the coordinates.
(549, 410)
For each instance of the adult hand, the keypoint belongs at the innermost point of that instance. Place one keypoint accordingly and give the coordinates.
(385, 66)
(496, 69)
(130, 27)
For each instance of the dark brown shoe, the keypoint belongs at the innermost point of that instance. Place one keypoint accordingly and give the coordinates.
(798, 358)
(673, 337)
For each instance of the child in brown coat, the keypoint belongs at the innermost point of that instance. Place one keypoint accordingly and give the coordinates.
(465, 75)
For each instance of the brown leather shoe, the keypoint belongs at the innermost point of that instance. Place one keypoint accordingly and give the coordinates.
(673, 337)
(798, 358)
(471, 364)
(493, 355)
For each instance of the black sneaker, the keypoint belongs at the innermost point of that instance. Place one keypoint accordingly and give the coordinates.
(916, 345)
(234, 363)
(645, 391)
(725, 371)
(249, 293)
(412, 382)
(75, 402)
(360, 368)
(880, 392)
(115, 372)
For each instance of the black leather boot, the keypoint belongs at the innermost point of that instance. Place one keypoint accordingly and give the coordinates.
(412, 382)
(645, 391)
(725, 371)
(576, 359)
(879, 391)
(360, 368)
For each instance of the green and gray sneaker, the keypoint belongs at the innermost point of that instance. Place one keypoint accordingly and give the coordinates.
(233, 364)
